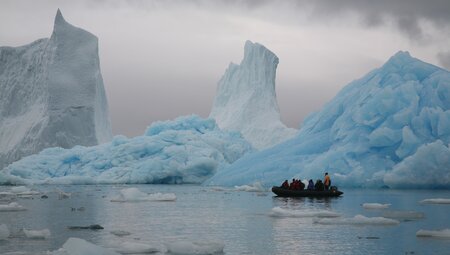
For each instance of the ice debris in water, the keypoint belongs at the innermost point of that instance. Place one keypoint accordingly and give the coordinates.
(135, 195)
(188, 149)
(120, 233)
(436, 201)
(196, 248)
(12, 207)
(138, 248)
(281, 212)
(4, 231)
(37, 234)
(389, 128)
(357, 220)
(255, 187)
(77, 246)
(444, 233)
(403, 215)
(375, 206)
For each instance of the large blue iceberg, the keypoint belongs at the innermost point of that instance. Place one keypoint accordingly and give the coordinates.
(187, 150)
(389, 128)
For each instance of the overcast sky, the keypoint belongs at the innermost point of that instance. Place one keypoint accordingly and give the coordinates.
(163, 59)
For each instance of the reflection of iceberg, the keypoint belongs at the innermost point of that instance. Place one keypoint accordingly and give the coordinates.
(391, 127)
(186, 150)
(357, 220)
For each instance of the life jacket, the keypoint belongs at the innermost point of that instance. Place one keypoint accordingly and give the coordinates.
(327, 180)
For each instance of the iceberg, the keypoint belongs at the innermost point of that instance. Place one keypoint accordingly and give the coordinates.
(77, 246)
(37, 234)
(52, 94)
(246, 100)
(389, 128)
(188, 149)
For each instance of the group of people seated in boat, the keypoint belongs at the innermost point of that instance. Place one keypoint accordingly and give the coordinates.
(299, 185)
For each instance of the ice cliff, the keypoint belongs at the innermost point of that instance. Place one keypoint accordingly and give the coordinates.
(186, 150)
(52, 94)
(246, 99)
(389, 128)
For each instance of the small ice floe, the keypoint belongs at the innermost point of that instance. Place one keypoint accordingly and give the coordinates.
(281, 212)
(375, 206)
(255, 187)
(357, 220)
(135, 195)
(23, 191)
(12, 207)
(403, 215)
(91, 227)
(63, 195)
(120, 233)
(4, 232)
(138, 248)
(218, 188)
(37, 234)
(77, 246)
(197, 248)
(436, 201)
(444, 233)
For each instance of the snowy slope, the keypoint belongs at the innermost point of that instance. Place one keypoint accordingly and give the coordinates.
(52, 94)
(186, 150)
(391, 127)
(246, 99)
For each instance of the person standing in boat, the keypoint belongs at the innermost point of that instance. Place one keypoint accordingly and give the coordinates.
(327, 181)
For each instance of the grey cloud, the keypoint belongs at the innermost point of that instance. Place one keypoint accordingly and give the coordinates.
(444, 59)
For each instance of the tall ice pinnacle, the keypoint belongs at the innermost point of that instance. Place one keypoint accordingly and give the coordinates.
(246, 99)
(52, 94)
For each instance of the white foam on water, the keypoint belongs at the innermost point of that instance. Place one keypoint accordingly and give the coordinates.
(375, 206)
(444, 233)
(281, 212)
(357, 220)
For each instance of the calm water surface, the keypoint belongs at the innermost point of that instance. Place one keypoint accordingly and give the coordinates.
(240, 219)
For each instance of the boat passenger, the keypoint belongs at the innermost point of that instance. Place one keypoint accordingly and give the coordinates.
(310, 184)
(285, 184)
(327, 181)
(301, 185)
(319, 185)
(292, 185)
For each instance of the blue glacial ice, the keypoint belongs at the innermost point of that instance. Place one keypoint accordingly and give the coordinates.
(188, 149)
(389, 128)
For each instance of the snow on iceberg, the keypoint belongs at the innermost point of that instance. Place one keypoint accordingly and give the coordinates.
(12, 207)
(282, 212)
(52, 94)
(357, 220)
(246, 99)
(196, 248)
(135, 195)
(375, 206)
(188, 149)
(4, 232)
(389, 128)
(436, 201)
(444, 233)
(77, 246)
(37, 234)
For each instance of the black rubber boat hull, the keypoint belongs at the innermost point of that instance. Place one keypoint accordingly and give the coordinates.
(281, 192)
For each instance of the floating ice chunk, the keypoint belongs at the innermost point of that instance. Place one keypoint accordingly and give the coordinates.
(436, 201)
(37, 234)
(137, 248)
(444, 233)
(403, 215)
(357, 220)
(196, 248)
(4, 231)
(12, 207)
(375, 206)
(63, 195)
(76, 246)
(135, 195)
(120, 233)
(256, 187)
(281, 212)
(19, 189)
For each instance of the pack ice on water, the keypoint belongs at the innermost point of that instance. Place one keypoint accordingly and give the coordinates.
(52, 94)
(389, 128)
(246, 100)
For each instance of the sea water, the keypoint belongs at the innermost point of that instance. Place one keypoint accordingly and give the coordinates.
(245, 222)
